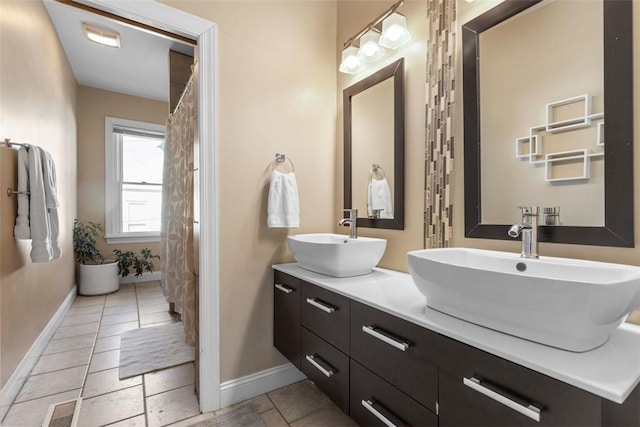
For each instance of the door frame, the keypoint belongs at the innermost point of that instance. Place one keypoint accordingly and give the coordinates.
(167, 18)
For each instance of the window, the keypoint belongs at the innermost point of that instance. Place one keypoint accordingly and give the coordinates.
(134, 155)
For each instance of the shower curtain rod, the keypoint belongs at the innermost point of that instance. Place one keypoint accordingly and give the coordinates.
(189, 82)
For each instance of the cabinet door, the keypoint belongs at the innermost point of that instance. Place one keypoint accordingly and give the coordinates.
(286, 316)
(479, 389)
(327, 367)
(400, 352)
(374, 402)
(326, 314)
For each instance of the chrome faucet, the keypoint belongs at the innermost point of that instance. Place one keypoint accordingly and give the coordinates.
(351, 222)
(528, 226)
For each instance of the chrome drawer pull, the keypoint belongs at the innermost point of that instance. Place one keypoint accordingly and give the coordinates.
(397, 344)
(312, 359)
(528, 411)
(283, 288)
(325, 308)
(368, 405)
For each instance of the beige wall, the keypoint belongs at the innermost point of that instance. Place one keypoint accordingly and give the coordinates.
(276, 65)
(620, 255)
(93, 106)
(37, 105)
(352, 17)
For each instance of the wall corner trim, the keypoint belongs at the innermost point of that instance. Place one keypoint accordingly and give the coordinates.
(19, 376)
(253, 385)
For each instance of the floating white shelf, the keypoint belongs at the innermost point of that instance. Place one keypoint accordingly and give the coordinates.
(530, 147)
(554, 160)
(527, 146)
(569, 124)
(600, 134)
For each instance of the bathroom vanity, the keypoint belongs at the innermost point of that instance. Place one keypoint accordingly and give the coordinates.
(372, 345)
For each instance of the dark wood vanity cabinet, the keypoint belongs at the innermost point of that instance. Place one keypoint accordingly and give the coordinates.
(286, 316)
(374, 366)
(326, 314)
(374, 399)
(383, 370)
(327, 367)
(402, 353)
(479, 389)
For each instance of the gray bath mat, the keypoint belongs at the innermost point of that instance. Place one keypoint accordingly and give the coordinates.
(149, 349)
(243, 416)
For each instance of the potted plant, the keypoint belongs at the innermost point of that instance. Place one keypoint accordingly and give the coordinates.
(128, 260)
(97, 275)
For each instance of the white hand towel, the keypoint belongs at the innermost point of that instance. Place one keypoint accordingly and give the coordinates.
(51, 202)
(283, 208)
(22, 230)
(379, 197)
(38, 213)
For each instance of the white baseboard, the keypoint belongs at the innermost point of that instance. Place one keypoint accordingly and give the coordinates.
(19, 376)
(146, 277)
(253, 385)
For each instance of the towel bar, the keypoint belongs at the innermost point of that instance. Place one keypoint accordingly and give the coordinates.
(9, 143)
(11, 192)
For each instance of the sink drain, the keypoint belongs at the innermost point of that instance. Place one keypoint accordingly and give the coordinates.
(521, 266)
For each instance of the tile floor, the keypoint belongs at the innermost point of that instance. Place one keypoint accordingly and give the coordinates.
(297, 405)
(82, 360)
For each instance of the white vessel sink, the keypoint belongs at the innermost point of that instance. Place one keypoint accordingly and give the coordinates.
(336, 254)
(565, 303)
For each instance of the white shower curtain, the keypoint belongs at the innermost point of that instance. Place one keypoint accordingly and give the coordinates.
(176, 234)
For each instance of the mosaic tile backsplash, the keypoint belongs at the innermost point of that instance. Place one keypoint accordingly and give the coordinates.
(441, 85)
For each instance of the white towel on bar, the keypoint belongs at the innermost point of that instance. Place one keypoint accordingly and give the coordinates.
(283, 208)
(51, 201)
(21, 229)
(379, 197)
(38, 212)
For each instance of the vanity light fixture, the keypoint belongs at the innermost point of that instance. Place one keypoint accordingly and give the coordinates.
(101, 36)
(394, 34)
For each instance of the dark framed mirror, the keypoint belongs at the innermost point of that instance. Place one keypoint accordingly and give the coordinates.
(374, 148)
(617, 153)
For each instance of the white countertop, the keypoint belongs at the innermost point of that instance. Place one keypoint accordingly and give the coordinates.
(611, 371)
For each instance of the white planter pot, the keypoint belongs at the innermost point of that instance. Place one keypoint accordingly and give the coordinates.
(98, 279)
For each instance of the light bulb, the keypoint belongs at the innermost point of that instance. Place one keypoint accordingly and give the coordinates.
(370, 50)
(394, 31)
(350, 64)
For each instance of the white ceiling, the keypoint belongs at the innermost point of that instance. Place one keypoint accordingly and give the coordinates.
(139, 67)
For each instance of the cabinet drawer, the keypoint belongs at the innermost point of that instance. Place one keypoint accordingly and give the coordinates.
(373, 399)
(400, 352)
(326, 314)
(286, 316)
(327, 367)
(479, 389)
